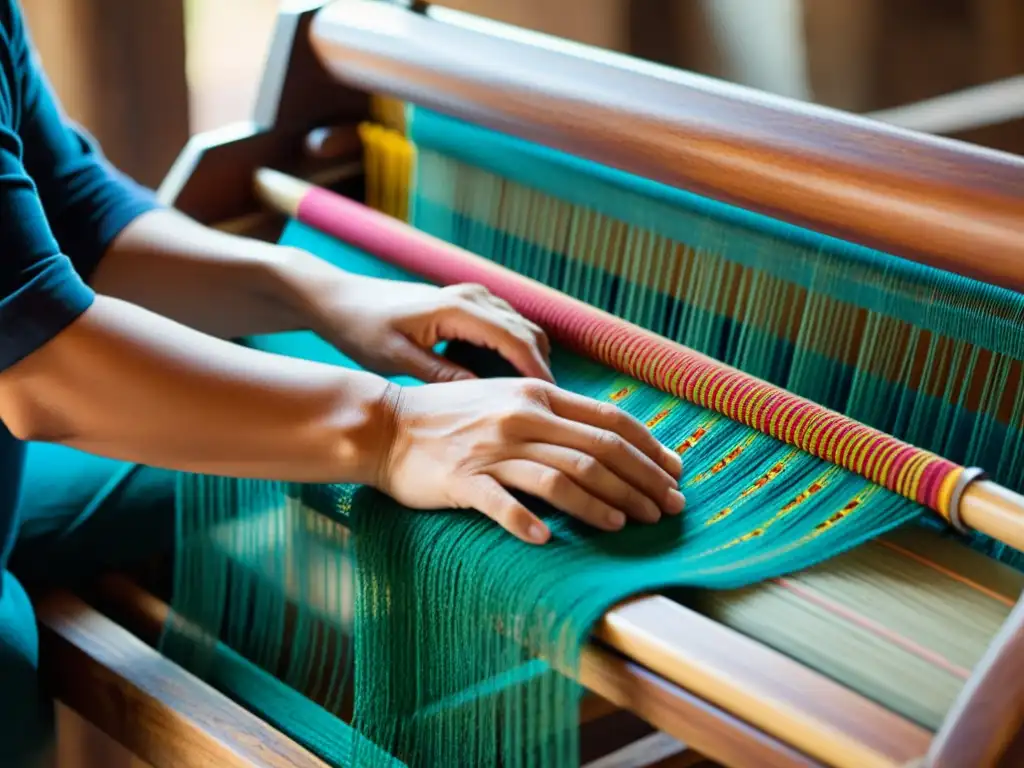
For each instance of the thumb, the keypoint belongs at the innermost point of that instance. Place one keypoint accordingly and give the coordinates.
(426, 365)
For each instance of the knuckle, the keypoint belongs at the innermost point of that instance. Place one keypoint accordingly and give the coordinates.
(468, 290)
(532, 392)
(607, 444)
(586, 466)
(506, 421)
(554, 483)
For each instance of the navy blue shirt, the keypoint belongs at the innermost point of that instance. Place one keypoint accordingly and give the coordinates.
(61, 204)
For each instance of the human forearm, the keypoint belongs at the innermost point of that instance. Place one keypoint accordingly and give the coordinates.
(221, 284)
(125, 383)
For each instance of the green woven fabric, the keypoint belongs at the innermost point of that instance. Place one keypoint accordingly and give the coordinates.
(927, 356)
(447, 642)
(445, 615)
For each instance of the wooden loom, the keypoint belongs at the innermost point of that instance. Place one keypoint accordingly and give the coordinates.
(731, 698)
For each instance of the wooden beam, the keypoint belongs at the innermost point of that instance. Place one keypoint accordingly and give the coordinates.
(162, 714)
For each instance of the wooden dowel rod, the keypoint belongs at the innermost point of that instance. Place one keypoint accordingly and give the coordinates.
(984, 505)
(941, 202)
(977, 107)
(995, 511)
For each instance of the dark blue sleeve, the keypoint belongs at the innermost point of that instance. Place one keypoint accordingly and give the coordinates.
(86, 200)
(40, 292)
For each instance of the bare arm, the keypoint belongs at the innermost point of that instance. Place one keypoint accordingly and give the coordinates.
(230, 286)
(222, 284)
(123, 382)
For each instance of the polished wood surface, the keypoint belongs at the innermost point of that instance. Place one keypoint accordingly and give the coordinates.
(998, 511)
(303, 120)
(770, 691)
(941, 202)
(162, 714)
(708, 729)
(989, 715)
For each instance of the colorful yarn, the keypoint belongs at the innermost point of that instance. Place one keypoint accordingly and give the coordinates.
(443, 624)
(447, 642)
(886, 461)
(932, 358)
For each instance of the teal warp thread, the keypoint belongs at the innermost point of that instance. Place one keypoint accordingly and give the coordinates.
(460, 641)
(792, 316)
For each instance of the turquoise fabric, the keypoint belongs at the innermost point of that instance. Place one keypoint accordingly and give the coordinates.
(79, 513)
(25, 722)
(930, 357)
(263, 569)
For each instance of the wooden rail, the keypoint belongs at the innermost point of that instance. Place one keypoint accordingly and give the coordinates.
(683, 714)
(158, 711)
(944, 203)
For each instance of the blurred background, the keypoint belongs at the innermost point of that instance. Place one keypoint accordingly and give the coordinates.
(143, 75)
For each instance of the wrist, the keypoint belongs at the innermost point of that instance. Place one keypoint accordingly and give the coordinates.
(366, 429)
(299, 282)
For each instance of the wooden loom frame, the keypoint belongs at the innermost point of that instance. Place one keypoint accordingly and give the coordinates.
(729, 697)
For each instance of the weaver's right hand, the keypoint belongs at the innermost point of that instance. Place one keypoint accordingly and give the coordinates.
(463, 444)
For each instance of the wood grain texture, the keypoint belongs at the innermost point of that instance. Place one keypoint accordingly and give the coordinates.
(934, 200)
(707, 729)
(80, 744)
(162, 714)
(988, 717)
(624, 684)
(772, 692)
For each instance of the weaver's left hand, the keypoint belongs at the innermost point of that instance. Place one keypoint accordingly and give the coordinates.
(391, 327)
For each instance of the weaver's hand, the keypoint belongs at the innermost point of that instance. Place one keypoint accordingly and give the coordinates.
(391, 327)
(464, 444)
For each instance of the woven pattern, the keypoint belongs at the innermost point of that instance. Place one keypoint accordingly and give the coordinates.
(442, 623)
(912, 472)
(932, 358)
(447, 642)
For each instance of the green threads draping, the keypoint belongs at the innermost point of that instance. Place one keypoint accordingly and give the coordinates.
(927, 356)
(446, 642)
(464, 639)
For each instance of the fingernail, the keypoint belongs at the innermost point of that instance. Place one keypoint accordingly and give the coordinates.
(676, 502)
(616, 519)
(651, 513)
(537, 534)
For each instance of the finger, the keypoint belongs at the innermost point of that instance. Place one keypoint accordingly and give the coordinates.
(471, 323)
(424, 365)
(609, 417)
(559, 490)
(610, 448)
(595, 478)
(485, 494)
(539, 334)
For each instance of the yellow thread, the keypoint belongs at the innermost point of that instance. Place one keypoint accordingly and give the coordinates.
(946, 492)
